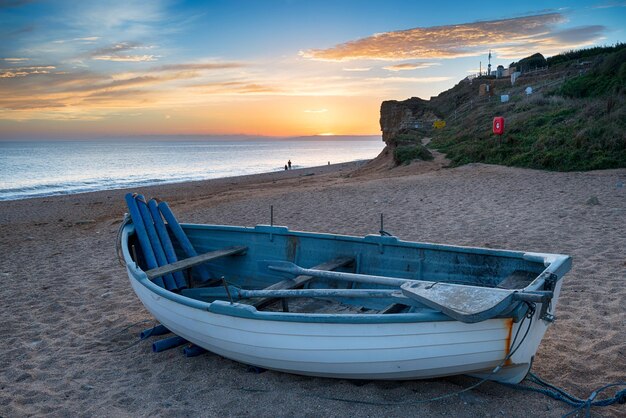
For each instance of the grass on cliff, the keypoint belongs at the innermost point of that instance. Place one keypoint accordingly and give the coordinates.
(578, 124)
(404, 154)
(408, 148)
(607, 78)
(546, 133)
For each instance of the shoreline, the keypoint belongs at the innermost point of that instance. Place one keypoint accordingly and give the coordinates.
(171, 191)
(70, 344)
(318, 169)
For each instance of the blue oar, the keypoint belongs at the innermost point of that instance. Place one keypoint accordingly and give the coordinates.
(142, 236)
(170, 283)
(168, 248)
(182, 238)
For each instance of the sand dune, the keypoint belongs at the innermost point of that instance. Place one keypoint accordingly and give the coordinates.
(69, 342)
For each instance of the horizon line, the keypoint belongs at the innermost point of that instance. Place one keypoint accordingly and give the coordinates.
(184, 136)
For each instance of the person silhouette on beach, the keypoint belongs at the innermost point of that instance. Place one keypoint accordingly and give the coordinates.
(289, 163)
(285, 167)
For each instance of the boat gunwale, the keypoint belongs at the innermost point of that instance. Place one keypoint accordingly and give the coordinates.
(553, 263)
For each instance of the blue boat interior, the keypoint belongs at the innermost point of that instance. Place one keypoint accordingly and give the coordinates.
(236, 255)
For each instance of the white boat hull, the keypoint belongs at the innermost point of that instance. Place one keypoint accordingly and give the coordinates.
(412, 345)
(417, 350)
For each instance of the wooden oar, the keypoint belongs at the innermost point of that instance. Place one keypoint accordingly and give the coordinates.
(470, 303)
(287, 267)
(238, 293)
(464, 303)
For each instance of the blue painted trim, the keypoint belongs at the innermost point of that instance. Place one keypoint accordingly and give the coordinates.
(376, 239)
(560, 265)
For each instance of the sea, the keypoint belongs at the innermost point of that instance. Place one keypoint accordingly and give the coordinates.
(30, 169)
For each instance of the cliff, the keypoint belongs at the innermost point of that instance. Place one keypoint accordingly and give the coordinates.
(573, 117)
(397, 117)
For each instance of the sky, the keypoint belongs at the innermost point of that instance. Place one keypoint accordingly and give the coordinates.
(95, 69)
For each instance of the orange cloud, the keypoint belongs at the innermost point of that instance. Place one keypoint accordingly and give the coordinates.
(411, 66)
(62, 94)
(434, 79)
(452, 41)
(235, 87)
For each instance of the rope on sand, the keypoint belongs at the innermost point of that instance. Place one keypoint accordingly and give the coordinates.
(559, 394)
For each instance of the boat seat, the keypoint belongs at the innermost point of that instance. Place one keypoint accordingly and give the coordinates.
(299, 281)
(194, 261)
(519, 279)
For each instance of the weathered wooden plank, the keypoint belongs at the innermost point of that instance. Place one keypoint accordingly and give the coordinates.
(194, 261)
(299, 281)
(394, 308)
(519, 279)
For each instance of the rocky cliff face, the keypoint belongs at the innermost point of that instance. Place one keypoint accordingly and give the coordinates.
(396, 116)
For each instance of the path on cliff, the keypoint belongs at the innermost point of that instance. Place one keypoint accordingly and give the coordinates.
(385, 166)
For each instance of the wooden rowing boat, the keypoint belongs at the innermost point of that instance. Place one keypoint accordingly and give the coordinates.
(372, 307)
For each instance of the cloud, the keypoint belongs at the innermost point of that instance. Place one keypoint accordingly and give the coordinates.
(577, 35)
(119, 53)
(126, 58)
(118, 84)
(5, 4)
(411, 66)
(16, 33)
(132, 16)
(16, 59)
(610, 5)
(526, 34)
(31, 104)
(86, 94)
(236, 87)
(87, 39)
(110, 94)
(315, 110)
(409, 79)
(557, 42)
(199, 66)
(357, 69)
(251, 88)
(25, 71)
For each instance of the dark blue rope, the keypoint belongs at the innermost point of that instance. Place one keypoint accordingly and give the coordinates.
(561, 395)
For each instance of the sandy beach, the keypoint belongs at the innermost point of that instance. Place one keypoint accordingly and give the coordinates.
(69, 342)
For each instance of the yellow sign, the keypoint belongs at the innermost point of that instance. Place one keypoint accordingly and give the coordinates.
(438, 124)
